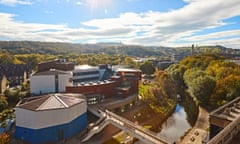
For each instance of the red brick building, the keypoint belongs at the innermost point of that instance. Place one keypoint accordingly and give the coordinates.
(123, 83)
(59, 64)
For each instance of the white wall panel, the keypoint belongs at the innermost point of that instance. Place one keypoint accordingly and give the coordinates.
(64, 81)
(42, 83)
(42, 119)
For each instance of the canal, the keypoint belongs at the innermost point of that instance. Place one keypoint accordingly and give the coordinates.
(182, 120)
(176, 125)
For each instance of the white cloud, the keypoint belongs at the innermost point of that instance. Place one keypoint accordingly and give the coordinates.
(80, 3)
(171, 26)
(217, 35)
(148, 28)
(48, 12)
(15, 2)
(106, 11)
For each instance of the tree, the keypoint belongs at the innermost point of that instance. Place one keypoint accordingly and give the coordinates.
(4, 138)
(200, 84)
(199, 61)
(226, 90)
(147, 68)
(6, 58)
(191, 74)
(3, 103)
(202, 87)
(221, 69)
(176, 71)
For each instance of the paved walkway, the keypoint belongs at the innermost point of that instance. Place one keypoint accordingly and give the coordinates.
(198, 131)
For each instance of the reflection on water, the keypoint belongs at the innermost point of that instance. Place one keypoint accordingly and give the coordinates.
(176, 125)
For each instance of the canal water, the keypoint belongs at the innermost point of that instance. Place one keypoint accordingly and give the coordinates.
(176, 125)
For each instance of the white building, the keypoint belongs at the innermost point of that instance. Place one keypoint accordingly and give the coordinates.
(50, 118)
(52, 81)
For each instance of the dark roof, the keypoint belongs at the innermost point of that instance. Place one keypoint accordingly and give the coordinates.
(14, 69)
(50, 101)
(51, 72)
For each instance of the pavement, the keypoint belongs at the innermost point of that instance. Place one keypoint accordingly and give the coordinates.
(199, 130)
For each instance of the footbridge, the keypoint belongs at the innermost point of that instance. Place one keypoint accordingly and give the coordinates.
(108, 117)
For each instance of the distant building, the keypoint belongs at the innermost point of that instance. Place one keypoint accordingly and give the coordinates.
(13, 75)
(177, 57)
(235, 60)
(50, 118)
(51, 81)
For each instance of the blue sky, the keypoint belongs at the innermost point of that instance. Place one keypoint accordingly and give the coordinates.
(144, 22)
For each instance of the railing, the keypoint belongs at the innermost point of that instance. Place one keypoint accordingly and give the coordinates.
(147, 134)
(126, 125)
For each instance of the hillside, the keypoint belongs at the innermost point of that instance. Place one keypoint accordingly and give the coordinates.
(23, 47)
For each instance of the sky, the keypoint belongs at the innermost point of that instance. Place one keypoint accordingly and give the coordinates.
(172, 23)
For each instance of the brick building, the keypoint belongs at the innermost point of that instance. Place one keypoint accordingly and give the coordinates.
(123, 83)
(59, 64)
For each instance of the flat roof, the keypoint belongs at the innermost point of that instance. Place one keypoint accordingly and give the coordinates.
(119, 69)
(84, 67)
(93, 83)
(51, 72)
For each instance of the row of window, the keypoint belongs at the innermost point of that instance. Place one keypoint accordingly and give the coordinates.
(85, 79)
(85, 73)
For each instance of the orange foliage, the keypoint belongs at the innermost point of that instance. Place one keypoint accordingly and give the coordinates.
(4, 138)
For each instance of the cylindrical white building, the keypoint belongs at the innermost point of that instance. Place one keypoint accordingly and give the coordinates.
(50, 118)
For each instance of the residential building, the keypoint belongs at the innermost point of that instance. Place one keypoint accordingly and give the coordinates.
(13, 75)
(50, 118)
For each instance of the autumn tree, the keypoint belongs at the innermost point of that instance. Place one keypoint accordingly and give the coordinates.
(226, 90)
(3, 103)
(4, 138)
(147, 68)
(200, 84)
(176, 72)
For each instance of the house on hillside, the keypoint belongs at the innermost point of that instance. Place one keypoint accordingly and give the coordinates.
(13, 75)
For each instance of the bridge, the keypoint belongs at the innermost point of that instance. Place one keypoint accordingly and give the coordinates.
(108, 117)
(225, 122)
